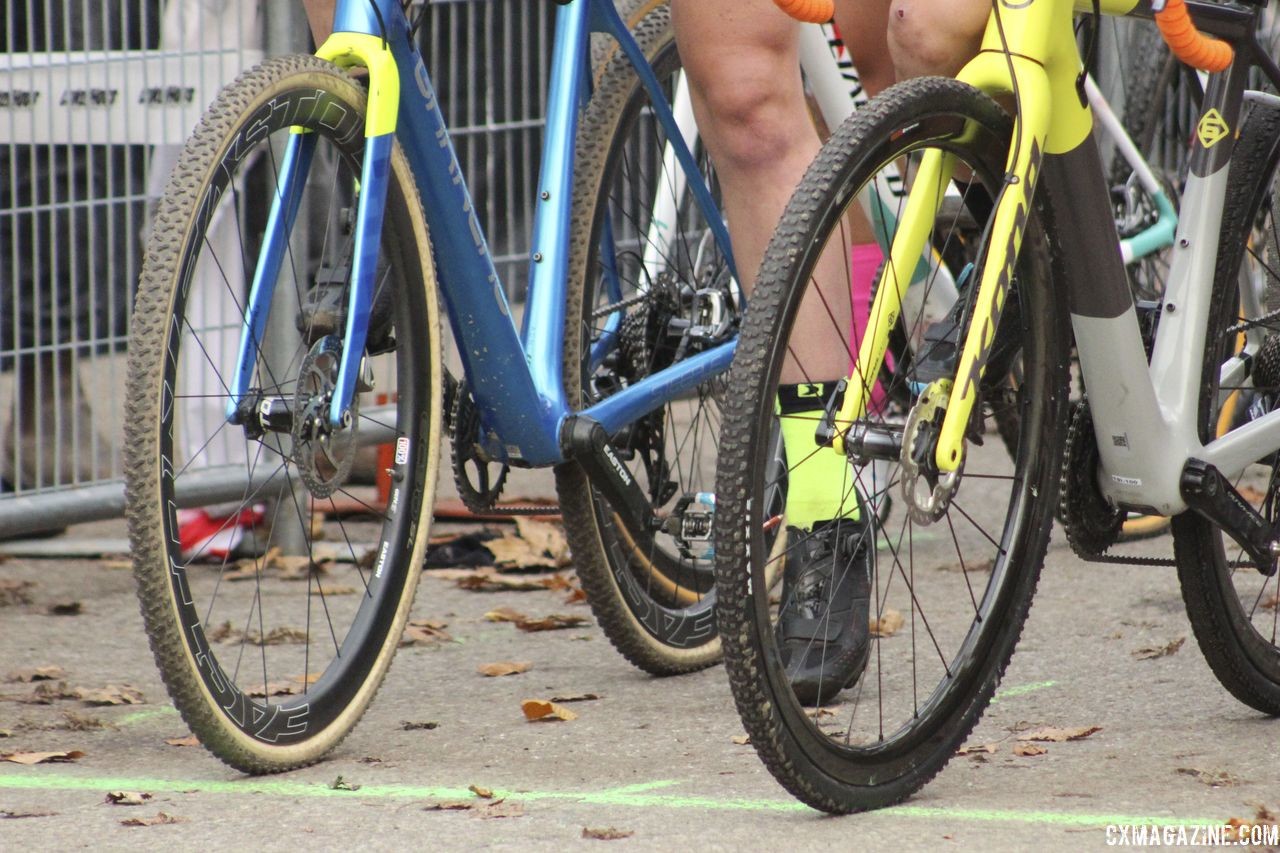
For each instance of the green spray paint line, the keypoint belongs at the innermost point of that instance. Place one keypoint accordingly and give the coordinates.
(1021, 690)
(629, 795)
(143, 716)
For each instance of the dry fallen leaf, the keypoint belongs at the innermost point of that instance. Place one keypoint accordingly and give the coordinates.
(452, 805)
(483, 793)
(1056, 735)
(29, 758)
(1152, 652)
(1212, 778)
(536, 710)
(15, 592)
(535, 544)
(608, 833)
(48, 692)
(298, 568)
(575, 596)
(553, 622)
(8, 815)
(127, 798)
(577, 697)
(189, 740)
(456, 574)
(498, 809)
(277, 636)
(1241, 830)
(421, 726)
(544, 538)
(159, 820)
(333, 590)
(741, 740)
(1028, 749)
(501, 668)
(112, 694)
(425, 632)
(978, 748)
(1271, 602)
(504, 614)
(73, 722)
(494, 582)
(887, 625)
(39, 673)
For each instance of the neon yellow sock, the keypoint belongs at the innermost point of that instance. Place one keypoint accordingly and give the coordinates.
(820, 483)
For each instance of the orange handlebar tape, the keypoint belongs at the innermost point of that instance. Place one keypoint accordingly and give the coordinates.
(809, 11)
(1189, 44)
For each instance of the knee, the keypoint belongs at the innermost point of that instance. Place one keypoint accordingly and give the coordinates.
(934, 36)
(751, 120)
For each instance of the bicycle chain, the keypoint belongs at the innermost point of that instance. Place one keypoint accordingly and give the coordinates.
(1078, 464)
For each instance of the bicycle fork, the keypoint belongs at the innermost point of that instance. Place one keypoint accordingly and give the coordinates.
(910, 241)
(243, 407)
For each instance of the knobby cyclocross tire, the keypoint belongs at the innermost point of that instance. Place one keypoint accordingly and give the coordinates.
(273, 657)
(1232, 607)
(949, 598)
(653, 600)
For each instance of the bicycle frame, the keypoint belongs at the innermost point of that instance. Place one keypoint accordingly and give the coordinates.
(1155, 403)
(515, 376)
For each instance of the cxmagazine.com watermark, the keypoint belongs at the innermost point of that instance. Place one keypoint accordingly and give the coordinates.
(1183, 835)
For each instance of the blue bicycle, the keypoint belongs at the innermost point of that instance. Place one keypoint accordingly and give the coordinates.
(288, 403)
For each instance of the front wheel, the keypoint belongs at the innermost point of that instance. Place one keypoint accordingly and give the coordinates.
(275, 576)
(935, 594)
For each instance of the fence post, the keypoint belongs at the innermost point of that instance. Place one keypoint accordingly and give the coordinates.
(287, 32)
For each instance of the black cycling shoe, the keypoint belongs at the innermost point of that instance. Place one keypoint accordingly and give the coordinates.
(822, 630)
(324, 312)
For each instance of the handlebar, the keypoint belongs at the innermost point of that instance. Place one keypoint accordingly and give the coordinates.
(809, 11)
(1189, 44)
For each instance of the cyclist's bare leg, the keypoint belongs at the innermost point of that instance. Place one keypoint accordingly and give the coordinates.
(935, 36)
(320, 16)
(743, 65)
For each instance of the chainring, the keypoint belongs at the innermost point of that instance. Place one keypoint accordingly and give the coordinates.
(1092, 525)
(479, 480)
(322, 454)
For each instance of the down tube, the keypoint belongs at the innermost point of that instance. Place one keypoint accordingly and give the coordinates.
(492, 355)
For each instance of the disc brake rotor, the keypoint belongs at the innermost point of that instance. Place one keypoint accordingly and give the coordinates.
(927, 490)
(323, 454)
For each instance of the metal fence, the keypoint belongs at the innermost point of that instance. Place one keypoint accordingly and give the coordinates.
(95, 101)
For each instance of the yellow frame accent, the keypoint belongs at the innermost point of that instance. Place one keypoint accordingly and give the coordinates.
(1050, 119)
(361, 50)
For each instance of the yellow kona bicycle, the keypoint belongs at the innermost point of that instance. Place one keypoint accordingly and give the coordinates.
(1179, 417)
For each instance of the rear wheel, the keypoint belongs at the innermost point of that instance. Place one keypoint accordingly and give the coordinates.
(274, 609)
(950, 586)
(1235, 609)
(648, 287)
